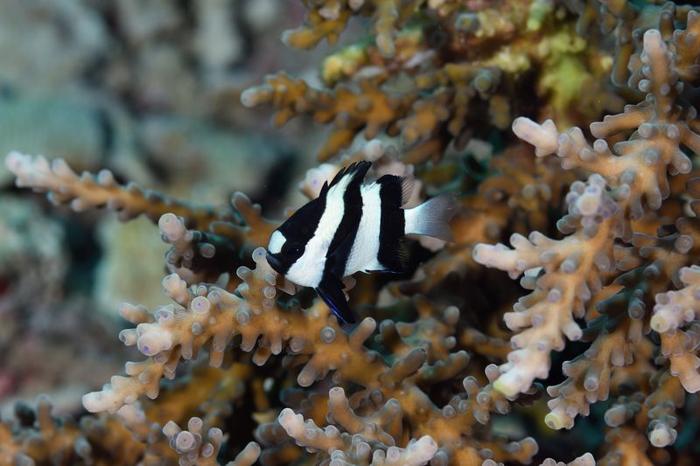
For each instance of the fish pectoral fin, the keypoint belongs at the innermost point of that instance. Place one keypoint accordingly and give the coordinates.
(331, 290)
(397, 259)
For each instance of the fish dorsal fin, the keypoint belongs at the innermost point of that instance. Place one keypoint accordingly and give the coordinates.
(331, 291)
(395, 190)
(324, 189)
(355, 170)
(408, 184)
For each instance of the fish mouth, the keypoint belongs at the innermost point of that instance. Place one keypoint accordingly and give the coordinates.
(274, 262)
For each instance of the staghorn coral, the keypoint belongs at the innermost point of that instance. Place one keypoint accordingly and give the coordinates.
(354, 446)
(197, 449)
(571, 269)
(574, 265)
(601, 237)
(425, 80)
(584, 460)
(88, 191)
(208, 317)
(675, 310)
(573, 278)
(35, 437)
(215, 230)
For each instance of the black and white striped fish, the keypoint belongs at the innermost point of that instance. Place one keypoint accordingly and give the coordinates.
(352, 227)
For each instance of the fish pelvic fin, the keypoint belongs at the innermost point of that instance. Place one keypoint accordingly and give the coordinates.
(331, 291)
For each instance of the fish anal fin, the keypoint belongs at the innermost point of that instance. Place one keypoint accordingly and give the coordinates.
(331, 291)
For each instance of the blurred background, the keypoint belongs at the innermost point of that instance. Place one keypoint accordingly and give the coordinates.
(150, 90)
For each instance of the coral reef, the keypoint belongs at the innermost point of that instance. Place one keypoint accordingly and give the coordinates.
(431, 81)
(453, 362)
(607, 261)
(34, 269)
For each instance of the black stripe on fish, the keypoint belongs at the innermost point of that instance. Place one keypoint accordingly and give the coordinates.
(331, 287)
(352, 170)
(344, 237)
(299, 229)
(392, 253)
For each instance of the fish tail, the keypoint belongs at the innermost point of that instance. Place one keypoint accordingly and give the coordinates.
(432, 218)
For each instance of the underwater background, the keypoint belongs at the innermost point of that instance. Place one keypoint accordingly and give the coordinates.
(153, 146)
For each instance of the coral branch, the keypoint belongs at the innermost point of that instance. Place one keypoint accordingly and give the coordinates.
(675, 318)
(641, 163)
(563, 274)
(88, 191)
(194, 447)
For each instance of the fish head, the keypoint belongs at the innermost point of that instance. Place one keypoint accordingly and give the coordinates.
(288, 243)
(283, 253)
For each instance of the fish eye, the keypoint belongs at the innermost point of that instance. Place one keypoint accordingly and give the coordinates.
(294, 248)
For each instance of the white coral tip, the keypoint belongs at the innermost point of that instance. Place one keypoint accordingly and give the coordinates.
(544, 137)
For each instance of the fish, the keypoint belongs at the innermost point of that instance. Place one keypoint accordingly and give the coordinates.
(354, 226)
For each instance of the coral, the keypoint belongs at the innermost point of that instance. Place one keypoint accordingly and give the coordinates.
(197, 449)
(34, 269)
(451, 363)
(581, 276)
(36, 438)
(216, 229)
(675, 310)
(425, 81)
(585, 460)
(598, 213)
(354, 446)
(209, 317)
(88, 191)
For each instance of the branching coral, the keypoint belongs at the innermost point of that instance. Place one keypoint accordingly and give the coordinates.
(194, 448)
(571, 275)
(427, 376)
(574, 265)
(353, 446)
(35, 437)
(571, 278)
(585, 460)
(228, 235)
(208, 317)
(426, 80)
(676, 310)
(64, 186)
